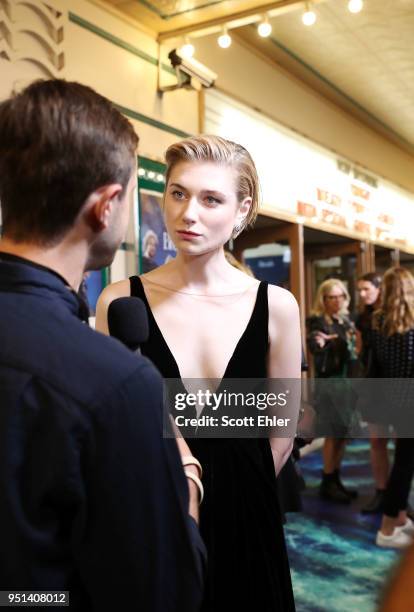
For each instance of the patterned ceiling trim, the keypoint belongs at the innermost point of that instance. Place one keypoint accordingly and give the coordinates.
(19, 30)
(167, 9)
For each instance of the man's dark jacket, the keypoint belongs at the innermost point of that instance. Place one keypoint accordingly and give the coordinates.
(93, 499)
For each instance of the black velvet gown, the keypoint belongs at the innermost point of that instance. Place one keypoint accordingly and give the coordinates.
(240, 519)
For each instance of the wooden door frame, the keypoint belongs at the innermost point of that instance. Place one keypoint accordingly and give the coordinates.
(292, 233)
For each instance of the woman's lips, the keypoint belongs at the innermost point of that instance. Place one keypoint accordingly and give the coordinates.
(187, 234)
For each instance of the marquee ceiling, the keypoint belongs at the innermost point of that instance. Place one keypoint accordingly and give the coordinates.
(364, 62)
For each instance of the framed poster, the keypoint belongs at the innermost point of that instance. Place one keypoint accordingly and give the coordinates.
(155, 244)
(94, 285)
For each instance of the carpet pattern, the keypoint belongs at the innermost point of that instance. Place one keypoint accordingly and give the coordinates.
(336, 566)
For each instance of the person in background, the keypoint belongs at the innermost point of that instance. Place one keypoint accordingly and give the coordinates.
(331, 340)
(369, 289)
(212, 322)
(93, 498)
(392, 345)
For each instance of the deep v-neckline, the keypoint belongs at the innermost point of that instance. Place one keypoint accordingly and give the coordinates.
(168, 349)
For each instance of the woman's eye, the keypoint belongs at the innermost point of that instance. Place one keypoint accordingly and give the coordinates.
(179, 195)
(212, 201)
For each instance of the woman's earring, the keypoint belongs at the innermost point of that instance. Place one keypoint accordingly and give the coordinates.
(236, 230)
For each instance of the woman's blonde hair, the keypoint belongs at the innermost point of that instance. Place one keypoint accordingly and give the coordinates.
(207, 148)
(396, 314)
(319, 306)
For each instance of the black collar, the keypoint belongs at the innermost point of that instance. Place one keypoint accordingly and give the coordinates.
(83, 308)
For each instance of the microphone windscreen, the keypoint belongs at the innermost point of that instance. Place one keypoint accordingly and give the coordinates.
(128, 321)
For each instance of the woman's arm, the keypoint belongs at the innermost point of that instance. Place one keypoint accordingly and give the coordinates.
(108, 295)
(284, 362)
(317, 338)
(194, 493)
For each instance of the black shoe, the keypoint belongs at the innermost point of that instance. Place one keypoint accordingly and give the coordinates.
(329, 489)
(352, 493)
(375, 504)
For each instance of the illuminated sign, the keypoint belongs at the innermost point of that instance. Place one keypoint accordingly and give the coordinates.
(305, 183)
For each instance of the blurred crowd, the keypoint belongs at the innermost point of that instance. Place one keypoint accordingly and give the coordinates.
(375, 342)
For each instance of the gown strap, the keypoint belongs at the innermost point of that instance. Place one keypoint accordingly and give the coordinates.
(258, 327)
(261, 314)
(137, 289)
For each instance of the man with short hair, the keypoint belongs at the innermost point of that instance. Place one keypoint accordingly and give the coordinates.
(93, 499)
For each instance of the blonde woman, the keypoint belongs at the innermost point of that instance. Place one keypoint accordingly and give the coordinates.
(331, 340)
(209, 320)
(392, 344)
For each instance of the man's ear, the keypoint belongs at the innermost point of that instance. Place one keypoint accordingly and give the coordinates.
(100, 204)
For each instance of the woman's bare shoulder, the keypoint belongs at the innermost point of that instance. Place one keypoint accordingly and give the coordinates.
(115, 290)
(108, 295)
(281, 301)
(283, 310)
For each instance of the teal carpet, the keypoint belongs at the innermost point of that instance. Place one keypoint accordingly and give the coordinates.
(335, 564)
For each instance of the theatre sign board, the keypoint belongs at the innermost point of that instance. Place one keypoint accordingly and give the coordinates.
(305, 183)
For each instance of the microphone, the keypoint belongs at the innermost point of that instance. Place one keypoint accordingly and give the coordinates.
(128, 321)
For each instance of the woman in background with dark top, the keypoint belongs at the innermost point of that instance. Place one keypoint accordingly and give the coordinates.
(331, 340)
(369, 289)
(211, 321)
(392, 345)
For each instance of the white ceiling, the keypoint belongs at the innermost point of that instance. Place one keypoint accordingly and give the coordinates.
(364, 61)
(369, 56)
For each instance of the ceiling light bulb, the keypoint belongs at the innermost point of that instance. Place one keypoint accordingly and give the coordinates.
(355, 6)
(187, 50)
(224, 40)
(308, 17)
(264, 28)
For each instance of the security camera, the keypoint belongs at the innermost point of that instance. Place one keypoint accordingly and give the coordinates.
(191, 73)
